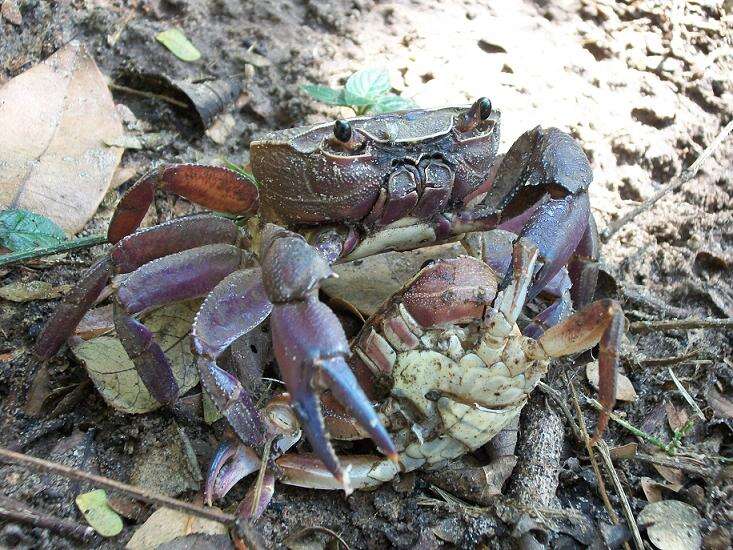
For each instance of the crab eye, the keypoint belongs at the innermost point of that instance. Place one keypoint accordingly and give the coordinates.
(484, 108)
(342, 131)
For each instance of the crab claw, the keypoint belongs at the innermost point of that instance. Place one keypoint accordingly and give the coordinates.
(311, 347)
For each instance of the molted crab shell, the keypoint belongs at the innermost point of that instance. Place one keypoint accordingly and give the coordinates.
(341, 182)
(450, 374)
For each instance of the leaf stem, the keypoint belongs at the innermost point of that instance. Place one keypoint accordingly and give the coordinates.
(66, 246)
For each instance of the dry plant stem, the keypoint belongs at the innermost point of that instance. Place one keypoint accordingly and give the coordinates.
(561, 402)
(673, 463)
(143, 93)
(603, 449)
(641, 327)
(17, 511)
(261, 477)
(687, 396)
(130, 490)
(591, 454)
(675, 184)
(630, 427)
(665, 361)
(66, 246)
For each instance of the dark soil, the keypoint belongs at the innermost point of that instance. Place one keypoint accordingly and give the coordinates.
(644, 87)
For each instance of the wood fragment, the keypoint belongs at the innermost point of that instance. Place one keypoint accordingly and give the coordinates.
(13, 510)
(643, 327)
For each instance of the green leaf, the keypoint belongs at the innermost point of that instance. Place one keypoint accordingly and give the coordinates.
(103, 519)
(21, 230)
(324, 94)
(178, 44)
(365, 87)
(390, 103)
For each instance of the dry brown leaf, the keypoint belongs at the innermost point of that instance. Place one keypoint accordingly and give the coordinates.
(676, 416)
(674, 476)
(671, 525)
(624, 389)
(652, 489)
(96, 322)
(624, 451)
(368, 282)
(722, 406)
(32, 290)
(165, 524)
(56, 117)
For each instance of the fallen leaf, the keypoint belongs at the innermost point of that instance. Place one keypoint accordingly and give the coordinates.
(722, 406)
(624, 389)
(114, 374)
(103, 519)
(58, 165)
(368, 282)
(165, 524)
(623, 451)
(11, 12)
(671, 525)
(676, 416)
(178, 44)
(128, 507)
(652, 489)
(96, 322)
(32, 290)
(23, 230)
(674, 476)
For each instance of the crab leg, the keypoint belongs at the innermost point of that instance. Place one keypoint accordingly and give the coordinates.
(235, 306)
(126, 256)
(180, 276)
(583, 266)
(214, 187)
(306, 470)
(600, 322)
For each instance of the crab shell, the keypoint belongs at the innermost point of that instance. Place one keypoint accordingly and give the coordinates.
(448, 376)
(335, 184)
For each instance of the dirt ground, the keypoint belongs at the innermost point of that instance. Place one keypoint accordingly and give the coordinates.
(644, 86)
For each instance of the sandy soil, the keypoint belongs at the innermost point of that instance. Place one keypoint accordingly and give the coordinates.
(643, 85)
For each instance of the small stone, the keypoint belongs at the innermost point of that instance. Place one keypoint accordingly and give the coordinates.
(11, 12)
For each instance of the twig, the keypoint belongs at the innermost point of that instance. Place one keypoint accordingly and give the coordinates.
(562, 403)
(261, 477)
(665, 361)
(642, 327)
(676, 462)
(603, 449)
(675, 184)
(149, 95)
(130, 490)
(66, 246)
(592, 456)
(687, 396)
(17, 511)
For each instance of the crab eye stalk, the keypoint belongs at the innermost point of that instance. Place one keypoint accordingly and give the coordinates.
(342, 131)
(479, 112)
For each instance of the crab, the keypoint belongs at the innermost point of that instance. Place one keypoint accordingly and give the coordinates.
(329, 193)
(447, 368)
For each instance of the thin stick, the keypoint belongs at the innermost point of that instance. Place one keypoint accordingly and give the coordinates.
(321, 529)
(675, 184)
(642, 327)
(20, 512)
(606, 456)
(135, 492)
(149, 95)
(592, 455)
(665, 361)
(686, 395)
(261, 477)
(66, 246)
(561, 402)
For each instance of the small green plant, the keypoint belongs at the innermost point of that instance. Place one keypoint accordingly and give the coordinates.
(366, 91)
(21, 230)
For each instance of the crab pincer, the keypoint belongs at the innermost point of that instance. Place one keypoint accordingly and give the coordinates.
(310, 345)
